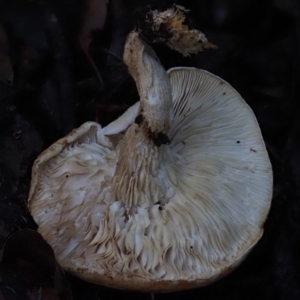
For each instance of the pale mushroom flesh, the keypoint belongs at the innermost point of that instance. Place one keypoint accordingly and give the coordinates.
(134, 214)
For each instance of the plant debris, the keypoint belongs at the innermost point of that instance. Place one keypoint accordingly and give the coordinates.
(169, 27)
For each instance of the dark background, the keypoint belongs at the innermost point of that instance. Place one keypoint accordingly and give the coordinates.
(53, 77)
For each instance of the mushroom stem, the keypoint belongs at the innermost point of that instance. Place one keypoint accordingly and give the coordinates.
(135, 183)
(153, 84)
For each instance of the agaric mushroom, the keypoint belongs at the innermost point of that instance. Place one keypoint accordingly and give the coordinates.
(176, 203)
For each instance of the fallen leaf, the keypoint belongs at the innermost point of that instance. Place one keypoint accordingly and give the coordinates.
(6, 71)
(94, 19)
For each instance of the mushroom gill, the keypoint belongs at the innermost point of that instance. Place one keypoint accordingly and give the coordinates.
(176, 203)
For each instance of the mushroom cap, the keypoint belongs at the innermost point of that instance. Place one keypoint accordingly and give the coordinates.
(211, 189)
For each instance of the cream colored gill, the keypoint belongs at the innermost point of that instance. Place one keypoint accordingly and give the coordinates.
(132, 215)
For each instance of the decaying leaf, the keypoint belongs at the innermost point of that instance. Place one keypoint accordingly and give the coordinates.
(29, 270)
(6, 71)
(94, 19)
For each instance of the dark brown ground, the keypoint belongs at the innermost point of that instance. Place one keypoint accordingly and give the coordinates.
(48, 85)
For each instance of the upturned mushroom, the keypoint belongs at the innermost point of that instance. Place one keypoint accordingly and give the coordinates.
(170, 196)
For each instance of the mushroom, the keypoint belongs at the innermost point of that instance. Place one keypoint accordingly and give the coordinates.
(176, 201)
